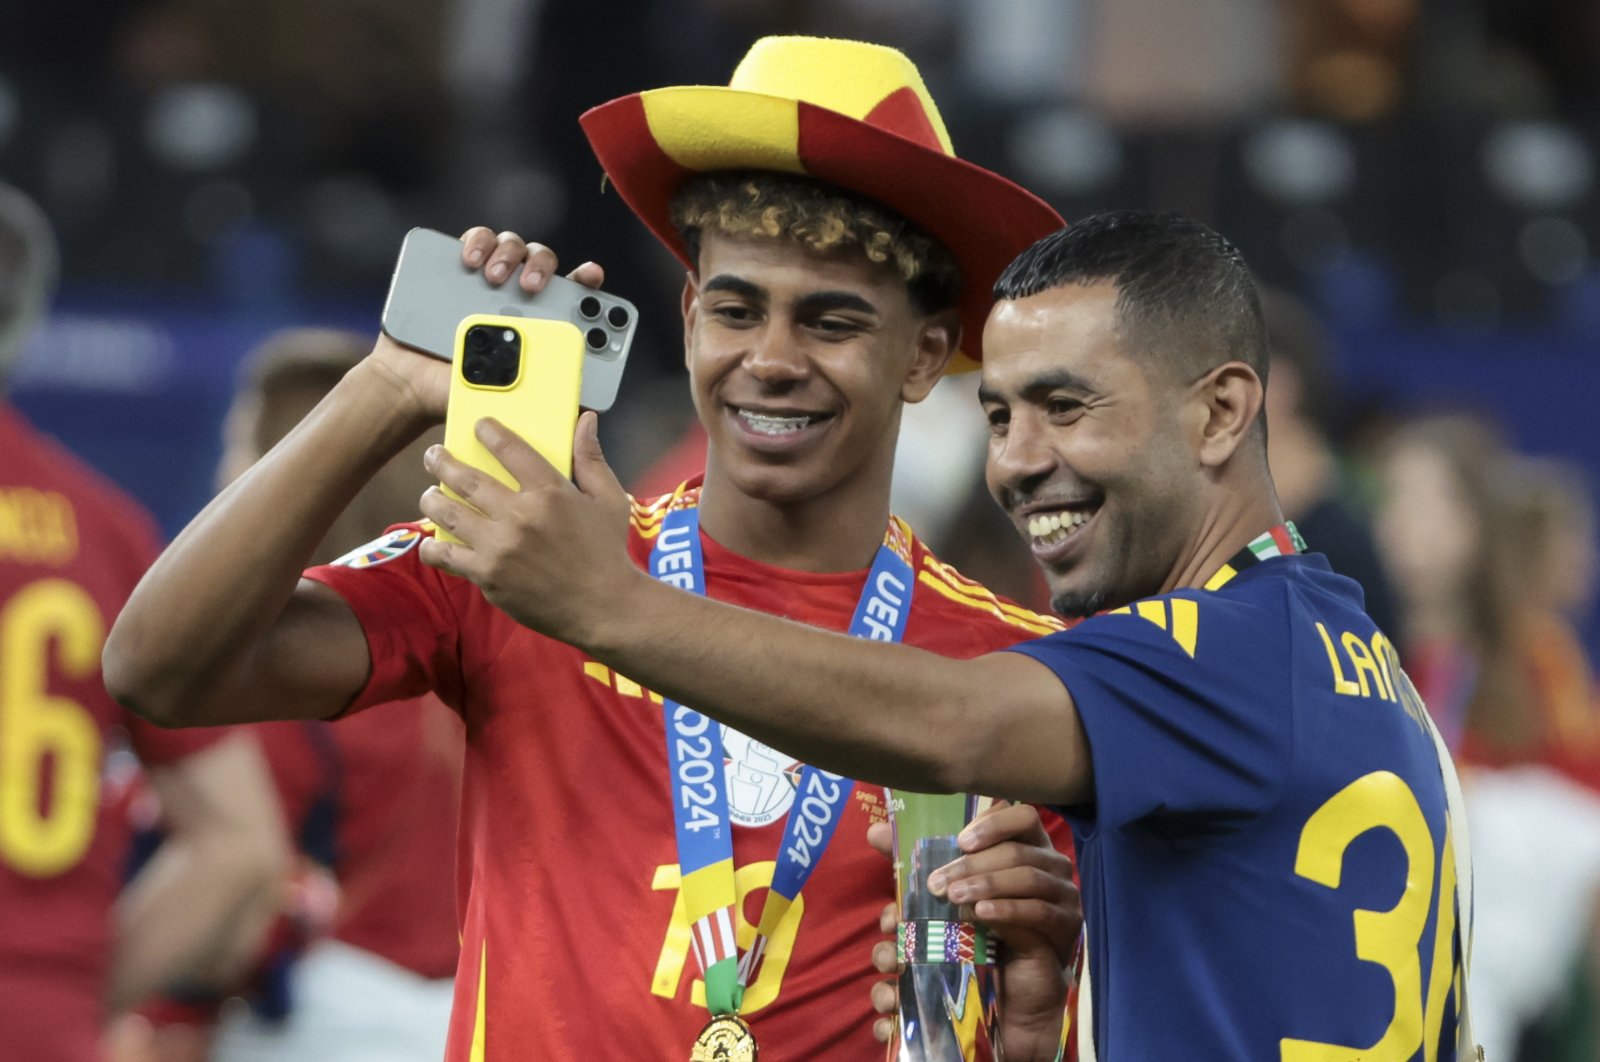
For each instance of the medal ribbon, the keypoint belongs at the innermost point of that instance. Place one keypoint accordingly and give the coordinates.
(698, 777)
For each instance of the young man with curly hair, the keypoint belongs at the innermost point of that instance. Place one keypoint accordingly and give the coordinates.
(633, 875)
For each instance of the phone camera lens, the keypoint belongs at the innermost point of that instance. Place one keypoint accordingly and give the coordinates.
(618, 316)
(589, 306)
(597, 338)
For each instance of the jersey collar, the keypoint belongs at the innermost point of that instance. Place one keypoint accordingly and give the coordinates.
(1281, 541)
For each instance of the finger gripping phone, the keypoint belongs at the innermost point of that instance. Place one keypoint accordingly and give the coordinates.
(432, 290)
(523, 372)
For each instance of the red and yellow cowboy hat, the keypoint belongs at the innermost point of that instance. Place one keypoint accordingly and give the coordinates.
(852, 114)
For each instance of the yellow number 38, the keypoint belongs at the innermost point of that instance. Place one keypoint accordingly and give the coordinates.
(1392, 939)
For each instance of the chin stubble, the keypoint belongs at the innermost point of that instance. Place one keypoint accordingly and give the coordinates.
(1078, 605)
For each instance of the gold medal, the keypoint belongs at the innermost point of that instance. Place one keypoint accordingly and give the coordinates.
(726, 1038)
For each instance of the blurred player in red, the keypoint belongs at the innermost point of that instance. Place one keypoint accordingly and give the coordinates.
(363, 961)
(73, 952)
(373, 799)
(814, 309)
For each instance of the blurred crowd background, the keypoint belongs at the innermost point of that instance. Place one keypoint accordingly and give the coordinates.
(1415, 181)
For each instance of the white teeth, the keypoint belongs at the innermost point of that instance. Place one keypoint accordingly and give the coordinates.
(1050, 528)
(770, 425)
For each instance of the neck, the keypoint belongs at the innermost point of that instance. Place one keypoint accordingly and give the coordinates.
(1223, 533)
(838, 531)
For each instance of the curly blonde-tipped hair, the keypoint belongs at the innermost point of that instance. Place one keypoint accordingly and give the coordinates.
(820, 218)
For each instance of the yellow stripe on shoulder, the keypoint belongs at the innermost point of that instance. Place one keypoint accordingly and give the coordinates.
(646, 529)
(980, 592)
(1184, 625)
(942, 577)
(646, 517)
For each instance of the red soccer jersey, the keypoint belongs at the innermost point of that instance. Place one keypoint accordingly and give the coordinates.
(375, 797)
(71, 549)
(575, 943)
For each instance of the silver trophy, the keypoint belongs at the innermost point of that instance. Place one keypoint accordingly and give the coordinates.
(949, 1009)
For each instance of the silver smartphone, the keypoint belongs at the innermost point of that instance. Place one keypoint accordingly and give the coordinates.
(432, 291)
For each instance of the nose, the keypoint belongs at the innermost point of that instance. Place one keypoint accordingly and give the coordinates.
(1020, 461)
(775, 359)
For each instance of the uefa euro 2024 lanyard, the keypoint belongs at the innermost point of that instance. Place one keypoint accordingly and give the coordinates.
(699, 784)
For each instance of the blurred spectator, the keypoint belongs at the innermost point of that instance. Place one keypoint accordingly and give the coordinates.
(1437, 524)
(72, 951)
(1302, 410)
(1555, 516)
(1466, 531)
(1183, 63)
(1553, 522)
(1551, 535)
(372, 800)
(1351, 59)
(1471, 535)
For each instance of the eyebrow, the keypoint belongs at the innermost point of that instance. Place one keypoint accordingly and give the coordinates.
(822, 301)
(737, 285)
(812, 303)
(1041, 384)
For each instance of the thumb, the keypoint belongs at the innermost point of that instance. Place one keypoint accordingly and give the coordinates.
(590, 471)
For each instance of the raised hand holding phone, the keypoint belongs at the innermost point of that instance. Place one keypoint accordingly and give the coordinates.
(438, 280)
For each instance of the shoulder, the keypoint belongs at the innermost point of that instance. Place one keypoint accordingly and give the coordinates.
(387, 583)
(1198, 629)
(965, 611)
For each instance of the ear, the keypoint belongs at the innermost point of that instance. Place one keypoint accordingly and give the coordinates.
(937, 339)
(691, 310)
(1228, 403)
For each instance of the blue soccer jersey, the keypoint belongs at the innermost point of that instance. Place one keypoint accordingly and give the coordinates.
(1267, 867)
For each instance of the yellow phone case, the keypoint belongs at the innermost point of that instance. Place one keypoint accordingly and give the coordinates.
(540, 405)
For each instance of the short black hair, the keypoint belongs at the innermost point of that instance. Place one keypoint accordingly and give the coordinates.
(1184, 293)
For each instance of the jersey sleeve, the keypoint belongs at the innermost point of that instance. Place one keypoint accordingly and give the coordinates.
(1186, 742)
(409, 614)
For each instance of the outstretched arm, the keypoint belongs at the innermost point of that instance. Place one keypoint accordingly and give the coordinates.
(553, 556)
